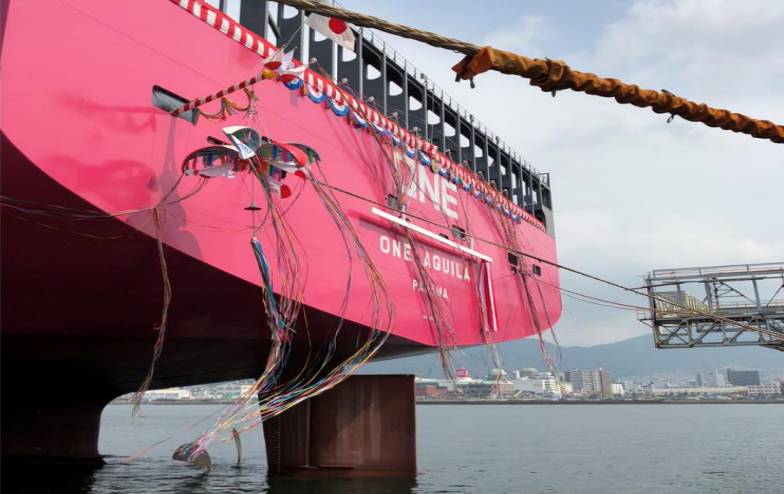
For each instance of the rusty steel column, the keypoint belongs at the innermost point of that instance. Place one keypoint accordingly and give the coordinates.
(364, 427)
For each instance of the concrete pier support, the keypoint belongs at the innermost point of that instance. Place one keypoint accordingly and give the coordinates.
(363, 427)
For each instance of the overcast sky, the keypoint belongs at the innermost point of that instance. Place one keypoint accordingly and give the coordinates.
(631, 192)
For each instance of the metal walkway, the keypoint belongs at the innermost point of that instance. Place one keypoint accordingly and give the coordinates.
(733, 305)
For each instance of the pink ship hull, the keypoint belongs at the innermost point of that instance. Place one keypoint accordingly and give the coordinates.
(79, 132)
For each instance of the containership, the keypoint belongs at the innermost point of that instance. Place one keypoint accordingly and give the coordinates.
(329, 212)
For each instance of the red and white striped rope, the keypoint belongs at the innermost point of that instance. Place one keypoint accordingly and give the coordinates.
(212, 97)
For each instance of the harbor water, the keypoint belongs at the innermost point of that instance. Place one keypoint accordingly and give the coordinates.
(683, 449)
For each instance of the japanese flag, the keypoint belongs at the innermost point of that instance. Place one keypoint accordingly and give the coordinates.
(334, 29)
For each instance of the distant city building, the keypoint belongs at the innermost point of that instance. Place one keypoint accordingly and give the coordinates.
(203, 393)
(528, 372)
(168, 394)
(540, 385)
(772, 390)
(716, 379)
(723, 391)
(566, 388)
(712, 379)
(743, 377)
(582, 381)
(617, 389)
(496, 386)
(495, 374)
(590, 383)
(530, 383)
(487, 389)
(429, 388)
(605, 385)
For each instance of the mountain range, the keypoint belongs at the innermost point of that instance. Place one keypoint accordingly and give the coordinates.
(633, 357)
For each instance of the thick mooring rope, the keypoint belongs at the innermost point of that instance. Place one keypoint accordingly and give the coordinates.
(553, 75)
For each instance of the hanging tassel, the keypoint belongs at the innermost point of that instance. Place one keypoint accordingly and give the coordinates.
(162, 325)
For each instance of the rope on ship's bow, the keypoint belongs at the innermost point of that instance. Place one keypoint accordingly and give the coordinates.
(162, 324)
(553, 75)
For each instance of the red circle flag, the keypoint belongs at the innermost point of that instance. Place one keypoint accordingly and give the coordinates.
(337, 26)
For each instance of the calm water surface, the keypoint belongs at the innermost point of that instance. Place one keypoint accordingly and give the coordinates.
(467, 449)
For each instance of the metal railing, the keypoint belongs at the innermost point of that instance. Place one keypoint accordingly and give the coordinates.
(396, 57)
(417, 104)
(730, 269)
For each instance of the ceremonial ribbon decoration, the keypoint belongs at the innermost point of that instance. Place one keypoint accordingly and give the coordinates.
(274, 159)
(271, 162)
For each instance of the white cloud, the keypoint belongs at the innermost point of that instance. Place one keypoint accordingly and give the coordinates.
(524, 36)
(723, 50)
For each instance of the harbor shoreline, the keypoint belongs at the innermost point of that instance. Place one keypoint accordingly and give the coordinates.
(511, 402)
(600, 402)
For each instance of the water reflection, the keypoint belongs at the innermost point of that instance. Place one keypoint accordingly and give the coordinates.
(44, 478)
(341, 486)
(160, 476)
(498, 449)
